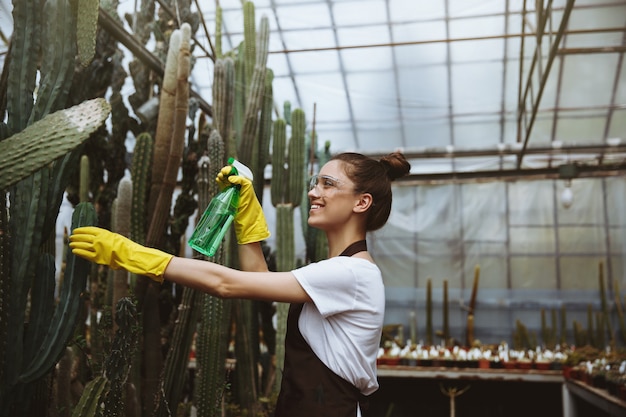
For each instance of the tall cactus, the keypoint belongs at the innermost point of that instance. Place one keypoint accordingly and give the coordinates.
(65, 315)
(177, 359)
(36, 198)
(104, 395)
(287, 186)
(174, 153)
(214, 325)
(254, 99)
(429, 312)
(165, 121)
(224, 101)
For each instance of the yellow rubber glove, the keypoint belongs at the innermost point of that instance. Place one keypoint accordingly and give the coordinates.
(107, 248)
(250, 223)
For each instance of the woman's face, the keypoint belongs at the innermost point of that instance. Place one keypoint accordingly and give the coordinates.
(332, 197)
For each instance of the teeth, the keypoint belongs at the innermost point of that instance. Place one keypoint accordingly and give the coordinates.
(315, 206)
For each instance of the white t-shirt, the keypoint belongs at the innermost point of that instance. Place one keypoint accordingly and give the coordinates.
(344, 323)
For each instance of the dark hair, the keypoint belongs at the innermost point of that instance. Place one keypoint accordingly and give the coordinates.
(374, 177)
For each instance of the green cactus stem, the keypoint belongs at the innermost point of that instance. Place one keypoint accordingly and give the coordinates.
(297, 159)
(121, 219)
(214, 326)
(66, 313)
(177, 359)
(285, 261)
(90, 400)
(249, 41)
(224, 101)
(279, 144)
(86, 27)
(140, 176)
(265, 132)
(254, 100)
(117, 363)
(218, 32)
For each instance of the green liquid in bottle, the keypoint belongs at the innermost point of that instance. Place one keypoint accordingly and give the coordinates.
(215, 222)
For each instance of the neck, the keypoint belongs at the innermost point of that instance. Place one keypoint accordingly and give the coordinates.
(339, 240)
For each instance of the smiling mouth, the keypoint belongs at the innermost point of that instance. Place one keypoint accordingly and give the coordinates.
(315, 206)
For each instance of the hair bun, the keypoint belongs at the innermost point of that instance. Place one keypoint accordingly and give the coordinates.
(396, 165)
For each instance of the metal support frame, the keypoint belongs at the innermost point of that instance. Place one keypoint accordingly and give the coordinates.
(524, 126)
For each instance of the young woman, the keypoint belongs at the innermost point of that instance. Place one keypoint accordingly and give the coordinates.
(337, 305)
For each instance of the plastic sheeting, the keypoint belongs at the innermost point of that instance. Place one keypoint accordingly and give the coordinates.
(532, 252)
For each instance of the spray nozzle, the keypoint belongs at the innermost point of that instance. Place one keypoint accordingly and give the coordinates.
(240, 169)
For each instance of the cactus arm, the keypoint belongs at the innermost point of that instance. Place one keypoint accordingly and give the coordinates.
(49, 139)
(66, 314)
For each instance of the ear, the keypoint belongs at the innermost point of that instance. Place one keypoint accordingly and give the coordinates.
(364, 202)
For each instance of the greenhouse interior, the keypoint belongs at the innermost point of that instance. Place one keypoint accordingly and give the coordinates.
(503, 258)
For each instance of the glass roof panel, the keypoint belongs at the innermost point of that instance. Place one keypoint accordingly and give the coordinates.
(361, 12)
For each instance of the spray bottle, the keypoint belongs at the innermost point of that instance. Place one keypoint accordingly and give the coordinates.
(216, 219)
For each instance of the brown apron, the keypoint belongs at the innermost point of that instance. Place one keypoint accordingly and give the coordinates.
(308, 387)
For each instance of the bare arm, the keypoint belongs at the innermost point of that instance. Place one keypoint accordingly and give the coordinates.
(251, 257)
(225, 282)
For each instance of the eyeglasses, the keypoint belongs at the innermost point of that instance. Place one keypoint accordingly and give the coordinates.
(327, 182)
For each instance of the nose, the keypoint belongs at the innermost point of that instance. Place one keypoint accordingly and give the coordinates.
(313, 192)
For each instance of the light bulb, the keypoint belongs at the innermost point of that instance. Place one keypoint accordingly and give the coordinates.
(567, 197)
